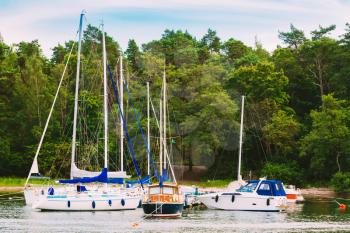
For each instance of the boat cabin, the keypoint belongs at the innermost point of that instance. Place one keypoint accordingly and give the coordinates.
(167, 192)
(264, 187)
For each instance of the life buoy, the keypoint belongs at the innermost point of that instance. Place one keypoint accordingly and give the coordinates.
(216, 198)
(233, 198)
(122, 202)
(93, 204)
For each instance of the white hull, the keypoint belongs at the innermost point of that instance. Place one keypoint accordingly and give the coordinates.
(244, 202)
(293, 195)
(29, 196)
(87, 202)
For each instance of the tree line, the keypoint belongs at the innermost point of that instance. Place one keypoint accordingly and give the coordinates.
(296, 125)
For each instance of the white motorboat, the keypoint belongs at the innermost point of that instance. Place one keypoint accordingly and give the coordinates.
(257, 195)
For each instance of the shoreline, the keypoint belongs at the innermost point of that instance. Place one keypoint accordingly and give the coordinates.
(310, 193)
(11, 188)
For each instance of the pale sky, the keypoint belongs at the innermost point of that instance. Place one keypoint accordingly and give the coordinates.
(53, 22)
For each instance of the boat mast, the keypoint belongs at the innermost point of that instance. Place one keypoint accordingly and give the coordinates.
(74, 136)
(105, 100)
(160, 139)
(164, 117)
(239, 177)
(121, 87)
(148, 132)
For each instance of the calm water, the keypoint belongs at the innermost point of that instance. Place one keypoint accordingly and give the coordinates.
(312, 216)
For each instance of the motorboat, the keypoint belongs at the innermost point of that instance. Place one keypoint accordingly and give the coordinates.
(256, 195)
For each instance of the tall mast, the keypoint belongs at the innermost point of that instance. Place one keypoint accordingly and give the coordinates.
(121, 86)
(164, 117)
(74, 136)
(105, 100)
(160, 138)
(239, 177)
(148, 132)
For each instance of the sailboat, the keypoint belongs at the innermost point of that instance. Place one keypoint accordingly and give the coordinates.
(255, 195)
(163, 199)
(74, 195)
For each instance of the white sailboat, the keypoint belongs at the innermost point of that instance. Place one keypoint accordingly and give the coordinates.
(256, 195)
(74, 196)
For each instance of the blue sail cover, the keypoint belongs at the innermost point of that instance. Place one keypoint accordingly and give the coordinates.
(165, 174)
(102, 178)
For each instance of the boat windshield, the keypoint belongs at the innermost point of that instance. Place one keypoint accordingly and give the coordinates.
(154, 190)
(168, 190)
(248, 188)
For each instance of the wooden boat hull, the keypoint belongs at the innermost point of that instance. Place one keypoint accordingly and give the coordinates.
(165, 210)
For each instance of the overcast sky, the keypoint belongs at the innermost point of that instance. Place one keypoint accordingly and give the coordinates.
(53, 22)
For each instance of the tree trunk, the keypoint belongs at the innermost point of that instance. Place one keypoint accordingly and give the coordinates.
(190, 162)
(338, 163)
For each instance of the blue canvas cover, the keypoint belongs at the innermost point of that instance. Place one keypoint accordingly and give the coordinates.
(275, 188)
(115, 181)
(102, 178)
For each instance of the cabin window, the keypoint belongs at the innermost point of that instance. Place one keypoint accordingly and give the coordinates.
(155, 190)
(265, 189)
(277, 187)
(248, 188)
(168, 190)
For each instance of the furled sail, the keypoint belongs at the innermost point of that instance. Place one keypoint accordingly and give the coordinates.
(79, 173)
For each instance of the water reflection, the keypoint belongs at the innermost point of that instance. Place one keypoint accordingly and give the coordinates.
(313, 215)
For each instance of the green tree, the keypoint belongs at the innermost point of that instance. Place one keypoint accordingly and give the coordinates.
(322, 31)
(260, 81)
(234, 49)
(212, 41)
(294, 38)
(328, 142)
(133, 55)
(281, 132)
(318, 59)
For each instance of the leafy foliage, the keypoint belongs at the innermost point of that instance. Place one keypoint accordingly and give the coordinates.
(341, 182)
(296, 112)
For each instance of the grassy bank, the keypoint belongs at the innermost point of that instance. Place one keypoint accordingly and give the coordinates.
(207, 184)
(18, 181)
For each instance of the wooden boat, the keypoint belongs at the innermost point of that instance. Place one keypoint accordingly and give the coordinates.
(163, 200)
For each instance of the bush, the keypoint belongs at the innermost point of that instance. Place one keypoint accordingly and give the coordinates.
(289, 173)
(341, 182)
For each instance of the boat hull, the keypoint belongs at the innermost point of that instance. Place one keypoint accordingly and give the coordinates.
(86, 203)
(166, 210)
(240, 202)
(293, 195)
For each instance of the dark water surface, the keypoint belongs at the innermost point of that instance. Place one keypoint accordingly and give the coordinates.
(311, 216)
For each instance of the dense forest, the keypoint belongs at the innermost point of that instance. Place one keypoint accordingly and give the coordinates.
(297, 116)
